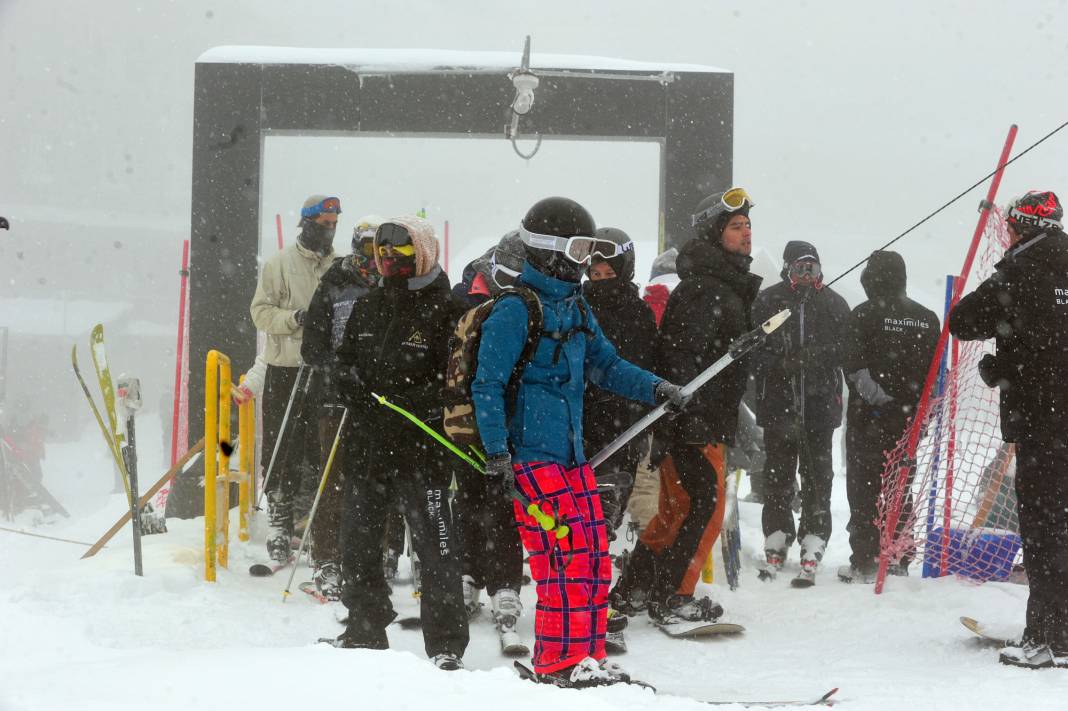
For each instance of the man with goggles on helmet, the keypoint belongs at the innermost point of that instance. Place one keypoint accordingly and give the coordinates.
(533, 435)
(283, 294)
(708, 310)
(798, 374)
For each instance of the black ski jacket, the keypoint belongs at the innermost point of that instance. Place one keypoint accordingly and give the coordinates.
(1024, 307)
(628, 322)
(708, 309)
(328, 314)
(891, 336)
(785, 360)
(396, 344)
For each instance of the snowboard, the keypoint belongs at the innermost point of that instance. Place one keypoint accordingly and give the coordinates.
(527, 674)
(977, 628)
(693, 630)
(266, 570)
(309, 589)
(512, 644)
(804, 579)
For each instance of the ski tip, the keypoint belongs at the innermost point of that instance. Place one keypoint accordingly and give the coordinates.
(775, 321)
(829, 694)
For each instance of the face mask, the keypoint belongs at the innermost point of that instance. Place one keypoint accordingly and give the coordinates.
(399, 267)
(318, 238)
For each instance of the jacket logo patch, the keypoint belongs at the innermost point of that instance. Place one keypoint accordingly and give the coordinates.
(1062, 296)
(416, 340)
(900, 324)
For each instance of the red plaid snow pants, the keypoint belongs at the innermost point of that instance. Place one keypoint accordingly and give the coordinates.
(572, 574)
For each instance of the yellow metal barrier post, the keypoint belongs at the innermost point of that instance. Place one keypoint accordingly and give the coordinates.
(216, 428)
(246, 434)
(222, 483)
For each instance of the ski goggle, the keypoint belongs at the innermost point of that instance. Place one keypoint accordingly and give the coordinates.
(330, 204)
(579, 249)
(806, 270)
(732, 200)
(502, 276)
(405, 250)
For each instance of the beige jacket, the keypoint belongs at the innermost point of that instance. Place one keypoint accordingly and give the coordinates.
(288, 280)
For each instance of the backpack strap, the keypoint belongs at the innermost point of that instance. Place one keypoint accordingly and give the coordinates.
(583, 327)
(535, 323)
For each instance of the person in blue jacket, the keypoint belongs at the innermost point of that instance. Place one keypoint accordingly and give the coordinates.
(532, 434)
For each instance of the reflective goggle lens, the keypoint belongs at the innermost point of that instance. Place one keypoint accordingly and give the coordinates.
(405, 250)
(330, 204)
(503, 276)
(736, 198)
(806, 269)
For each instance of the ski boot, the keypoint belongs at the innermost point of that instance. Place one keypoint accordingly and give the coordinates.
(447, 661)
(853, 574)
(357, 638)
(507, 608)
(472, 597)
(812, 548)
(615, 642)
(586, 674)
(327, 579)
(1031, 654)
(685, 608)
(280, 528)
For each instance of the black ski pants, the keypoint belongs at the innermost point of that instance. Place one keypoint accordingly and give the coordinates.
(869, 437)
(487, 532)
(300, 446)
(662, 573)
(403, 469)
(1042, 491)
(785, 448)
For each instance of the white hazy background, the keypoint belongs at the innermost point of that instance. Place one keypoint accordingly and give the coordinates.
(852, 121)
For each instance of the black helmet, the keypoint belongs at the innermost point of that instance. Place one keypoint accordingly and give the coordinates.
(556, 217)
(1035, 212)
(622, 265)
(506, 260)
(715, 211)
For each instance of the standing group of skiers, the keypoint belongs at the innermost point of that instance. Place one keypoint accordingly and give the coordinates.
(533, 371)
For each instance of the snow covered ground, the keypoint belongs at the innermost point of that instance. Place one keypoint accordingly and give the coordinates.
(90, 635)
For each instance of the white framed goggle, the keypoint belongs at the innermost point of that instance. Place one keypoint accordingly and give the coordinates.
(731, 201)
(580, 249)
(501, 275)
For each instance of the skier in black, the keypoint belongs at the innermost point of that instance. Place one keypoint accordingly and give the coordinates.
(396, 345)
(629, 324)
(799, 404)
(891, 341)
(707, 310)
(1024, 307)
(348, 279)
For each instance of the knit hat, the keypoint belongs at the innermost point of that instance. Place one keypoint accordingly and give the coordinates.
(315, 201)
(423, 239)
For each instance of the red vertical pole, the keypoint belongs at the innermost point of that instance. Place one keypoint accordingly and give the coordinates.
(278, 226)
(898, 493)
(179, 350)
(446, 246)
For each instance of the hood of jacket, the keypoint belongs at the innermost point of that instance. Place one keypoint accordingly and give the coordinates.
(1049, 249)
(424, 240)
(884, 276)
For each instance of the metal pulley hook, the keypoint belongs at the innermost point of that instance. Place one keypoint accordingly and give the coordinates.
(525, 82)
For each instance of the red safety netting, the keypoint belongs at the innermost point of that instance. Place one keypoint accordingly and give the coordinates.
(951, 506)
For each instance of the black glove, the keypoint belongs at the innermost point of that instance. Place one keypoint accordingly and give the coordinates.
(298, 316)
(500, 476)
(990, 371)
(672, 394)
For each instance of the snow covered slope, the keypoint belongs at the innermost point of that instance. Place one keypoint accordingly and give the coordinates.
(90, 635)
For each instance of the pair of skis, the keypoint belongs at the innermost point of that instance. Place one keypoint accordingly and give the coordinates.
(113, 436)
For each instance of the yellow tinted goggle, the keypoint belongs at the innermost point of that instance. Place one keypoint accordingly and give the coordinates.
(733, 199)
(406, 250)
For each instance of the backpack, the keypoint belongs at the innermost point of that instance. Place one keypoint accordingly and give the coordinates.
(460, 424)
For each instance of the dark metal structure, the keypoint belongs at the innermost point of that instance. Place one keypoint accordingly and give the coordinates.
(242, 94)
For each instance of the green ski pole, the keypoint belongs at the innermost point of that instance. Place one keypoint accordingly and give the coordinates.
(546, 521)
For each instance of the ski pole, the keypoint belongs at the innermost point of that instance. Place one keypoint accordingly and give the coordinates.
(315, 504)
(280, 437)
(545, 520)
(741, 345)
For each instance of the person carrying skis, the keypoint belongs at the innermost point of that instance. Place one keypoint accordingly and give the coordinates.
(396, 345)
(285, 289)
(891, 340)
(1023, 306)
(486, 528)
(532, 436)
(798, 382)
(350, 278)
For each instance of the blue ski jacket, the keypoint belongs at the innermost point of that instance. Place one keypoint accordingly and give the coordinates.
(544, 423)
